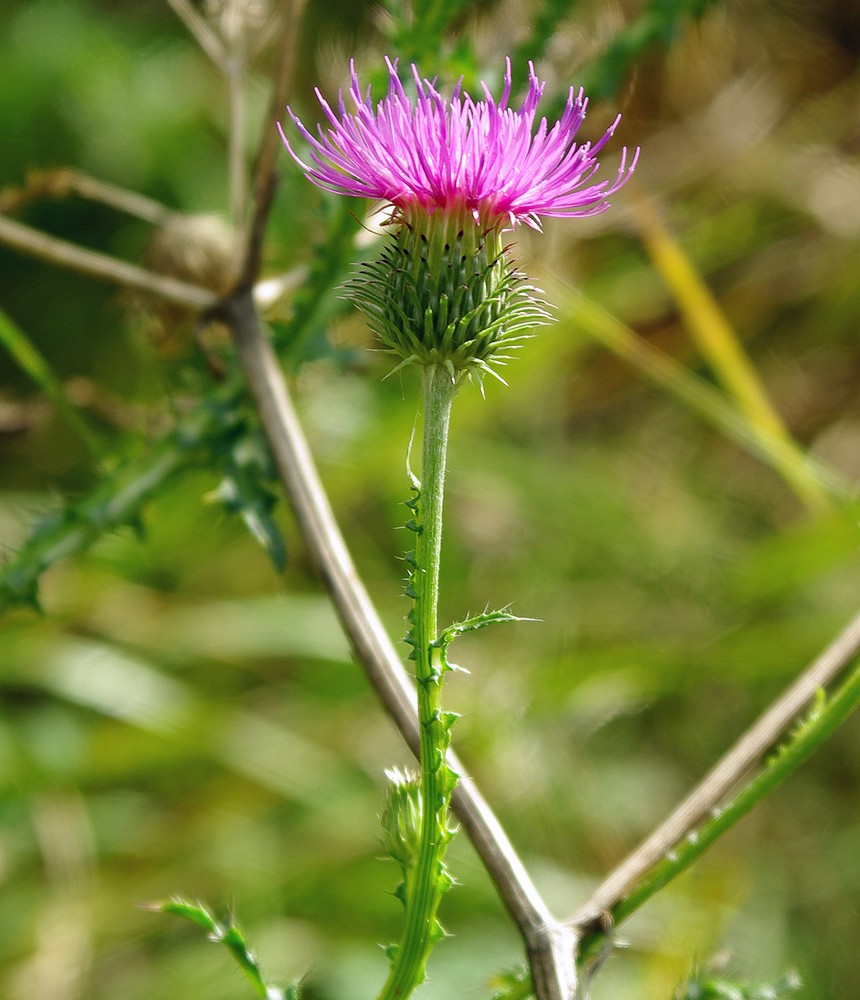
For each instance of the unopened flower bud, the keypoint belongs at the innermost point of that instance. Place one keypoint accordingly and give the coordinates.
(401, 820)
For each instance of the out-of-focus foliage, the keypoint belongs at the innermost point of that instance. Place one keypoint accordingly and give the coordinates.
(183, 719)
(708, 988)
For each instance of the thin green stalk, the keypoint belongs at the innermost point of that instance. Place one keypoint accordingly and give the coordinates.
(428, 881)
(28, 356)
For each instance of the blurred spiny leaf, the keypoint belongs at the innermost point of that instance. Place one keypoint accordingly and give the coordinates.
(699, 988)
(227, 932)
(216, 432)
(117, 503)
(249, 488)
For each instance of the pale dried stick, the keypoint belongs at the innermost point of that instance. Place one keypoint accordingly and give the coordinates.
(99, 265)
(31, 241)
(63, 181)
(206, 38)
(711, 791)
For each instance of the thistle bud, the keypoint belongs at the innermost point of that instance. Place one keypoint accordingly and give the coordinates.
(401, 820)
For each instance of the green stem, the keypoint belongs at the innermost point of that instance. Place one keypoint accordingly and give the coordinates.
(429, 879)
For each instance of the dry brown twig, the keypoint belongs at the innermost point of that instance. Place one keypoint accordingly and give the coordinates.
(64, 181)
(99, 265)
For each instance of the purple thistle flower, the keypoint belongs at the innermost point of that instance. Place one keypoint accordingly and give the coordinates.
(457, 172)
(431, 154)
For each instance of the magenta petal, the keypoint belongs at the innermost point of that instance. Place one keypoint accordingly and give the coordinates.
(435, 154)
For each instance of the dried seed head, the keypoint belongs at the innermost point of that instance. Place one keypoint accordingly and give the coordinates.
(199, 249)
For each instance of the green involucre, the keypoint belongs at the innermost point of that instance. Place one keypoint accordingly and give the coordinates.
(444, 291)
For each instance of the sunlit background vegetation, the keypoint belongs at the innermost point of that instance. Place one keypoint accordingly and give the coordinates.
(179, 717)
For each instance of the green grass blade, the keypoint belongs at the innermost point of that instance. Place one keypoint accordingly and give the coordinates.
(720, 346)
(699, 397)
(31, 361)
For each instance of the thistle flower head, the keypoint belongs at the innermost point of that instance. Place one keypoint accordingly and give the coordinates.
(456, 172)
(429, 154)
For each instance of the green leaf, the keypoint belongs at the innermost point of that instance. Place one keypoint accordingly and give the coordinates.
(472, 624)
(249, 489)
(227, 932)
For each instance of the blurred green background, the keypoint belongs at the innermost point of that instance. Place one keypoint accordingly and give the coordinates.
(183, 719)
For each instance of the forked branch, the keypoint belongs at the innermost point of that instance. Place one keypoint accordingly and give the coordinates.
(710, 793)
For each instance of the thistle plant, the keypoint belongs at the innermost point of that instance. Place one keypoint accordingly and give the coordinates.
(443, 294)
(459, 174)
